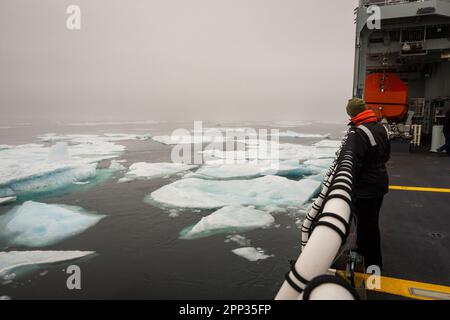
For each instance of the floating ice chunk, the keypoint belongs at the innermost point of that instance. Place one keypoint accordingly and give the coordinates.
(5, 298)
(35, 224)
(117, 165)
(59, 152)
(174, 213)
(270, 193)
(37, 168)
(144, 170)
(4, 147)
(16, 259)
(270, 150)
(51, 180)
(250, 169)
(251, 254)
(328, 144)
(240, 240)
(288, 151)
(228, 220)
(230, 171)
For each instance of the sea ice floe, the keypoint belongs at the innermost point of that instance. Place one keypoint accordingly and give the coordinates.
(38, 168)
(35, 224)
(270, 193)
(117, 165)
(251, 254)
(12, 260)
(59, 152)
(208, 135)
(270, 150)
(240, 240)
(229, 219)
(144, 170)
(250, 169)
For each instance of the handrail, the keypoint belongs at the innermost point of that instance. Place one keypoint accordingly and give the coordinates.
(328, 228)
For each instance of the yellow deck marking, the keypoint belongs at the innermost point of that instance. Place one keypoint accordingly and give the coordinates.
(405, 288)
(441, 190)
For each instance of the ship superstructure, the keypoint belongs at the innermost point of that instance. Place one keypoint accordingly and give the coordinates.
(402, 64)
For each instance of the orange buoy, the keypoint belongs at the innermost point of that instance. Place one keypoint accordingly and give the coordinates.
(387, 95)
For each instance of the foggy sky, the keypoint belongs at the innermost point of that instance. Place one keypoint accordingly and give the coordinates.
(177, 59)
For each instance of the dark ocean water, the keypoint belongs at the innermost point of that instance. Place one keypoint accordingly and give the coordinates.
(138, 251)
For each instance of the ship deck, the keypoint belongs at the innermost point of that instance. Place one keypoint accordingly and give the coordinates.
(415, 224)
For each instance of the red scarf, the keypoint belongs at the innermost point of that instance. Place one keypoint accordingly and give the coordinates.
(365, 117)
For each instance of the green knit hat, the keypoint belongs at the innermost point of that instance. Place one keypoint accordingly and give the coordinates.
(355, 106)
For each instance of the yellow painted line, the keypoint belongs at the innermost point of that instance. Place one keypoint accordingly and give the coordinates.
(441, 190)
(404, 288)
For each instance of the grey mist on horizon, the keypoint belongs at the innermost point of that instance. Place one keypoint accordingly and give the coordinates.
(177, 60)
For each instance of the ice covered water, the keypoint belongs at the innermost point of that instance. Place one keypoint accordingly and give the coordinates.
(12, 260)
(188, 139)
(117, 165)
(144, 170)
(35, 224)
(251, 169)
(328, 144)
(293, 134)
(251, 254)
(92, 138)
(59, 152)
(240, 240)
(270, 150)
(270, 193)
(36, 168)
(229, 219)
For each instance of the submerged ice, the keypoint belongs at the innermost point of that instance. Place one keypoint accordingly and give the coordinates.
(228, 220)
(35, 224)
(270, 193)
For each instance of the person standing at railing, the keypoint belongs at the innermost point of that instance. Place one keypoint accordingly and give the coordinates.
(446, 146)
(371, 151)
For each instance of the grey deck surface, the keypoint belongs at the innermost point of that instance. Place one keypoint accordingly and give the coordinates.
(415, 226)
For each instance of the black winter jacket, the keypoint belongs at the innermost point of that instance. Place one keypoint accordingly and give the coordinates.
(447, 123)
(371, 177)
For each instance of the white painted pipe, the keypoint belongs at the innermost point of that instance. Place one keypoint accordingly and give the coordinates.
(315, 208)
(325, 242)
(330, 291)
(321, 249)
